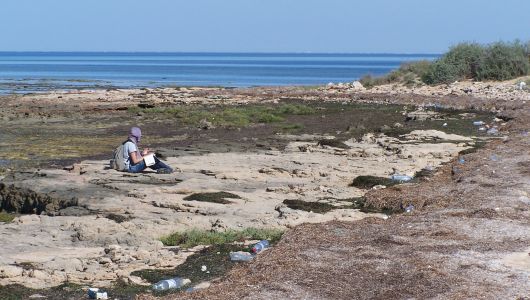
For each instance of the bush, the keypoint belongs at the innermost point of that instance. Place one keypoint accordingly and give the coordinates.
(441, 72)
(504, 61)
(498, 61)
(407, 73)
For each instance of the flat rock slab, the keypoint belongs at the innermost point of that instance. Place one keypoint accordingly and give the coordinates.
(117, 220)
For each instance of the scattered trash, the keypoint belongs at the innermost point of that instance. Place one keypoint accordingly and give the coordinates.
(241, 256)
(461, 160)
(400, 178)
(482, 128)
(478, 123)
(173, 283)
(95, 293)
(37, 296)
(444, 124)
(409, 208)
(521, 85)
(494, 157)
(260, 246)
(203, 268)
(492, 130)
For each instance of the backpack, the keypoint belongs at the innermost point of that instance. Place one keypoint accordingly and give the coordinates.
(118, 162)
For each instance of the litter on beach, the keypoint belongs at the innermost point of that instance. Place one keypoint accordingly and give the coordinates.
(95, 293)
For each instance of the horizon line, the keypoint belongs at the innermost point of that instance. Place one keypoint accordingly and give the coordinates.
(224, 52)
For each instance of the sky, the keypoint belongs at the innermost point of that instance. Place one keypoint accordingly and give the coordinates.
(338, 26)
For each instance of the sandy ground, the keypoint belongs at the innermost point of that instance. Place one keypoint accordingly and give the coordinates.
(466, 238)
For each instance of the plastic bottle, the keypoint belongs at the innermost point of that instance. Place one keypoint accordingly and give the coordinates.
(492, 131)
(95, 293)
(478, 123)
(461, 160)
(241, 256)
(400, 178)
(260, 246)
(173, 283)
(409, 208)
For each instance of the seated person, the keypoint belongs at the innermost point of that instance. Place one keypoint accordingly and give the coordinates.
(134, 161)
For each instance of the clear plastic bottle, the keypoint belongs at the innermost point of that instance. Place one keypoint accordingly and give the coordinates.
(260, 246)
(241, 256)
(401, 178)
(173, 283)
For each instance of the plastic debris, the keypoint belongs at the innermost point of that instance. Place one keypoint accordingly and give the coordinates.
(241, 256)
(444, 124)
(400, 178)
(461, 160)
(478, 123)
(173, 283)
(492, 130)
(494, 157)
(95, 293)
(409, 208)
(260, 246)
(204, 268)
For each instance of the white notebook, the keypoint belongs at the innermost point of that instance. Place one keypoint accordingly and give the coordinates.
(149, 159)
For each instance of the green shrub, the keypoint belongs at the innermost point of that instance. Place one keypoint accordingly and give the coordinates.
(418, 68)
(503, 61)
(407, 73)
(498, 61)
(441, 72)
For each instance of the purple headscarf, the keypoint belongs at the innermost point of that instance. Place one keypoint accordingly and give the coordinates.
(135, 134)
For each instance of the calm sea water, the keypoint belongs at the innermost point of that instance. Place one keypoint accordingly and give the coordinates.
(22, 72)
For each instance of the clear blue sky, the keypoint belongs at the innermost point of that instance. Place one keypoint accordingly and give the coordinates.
(399, 26)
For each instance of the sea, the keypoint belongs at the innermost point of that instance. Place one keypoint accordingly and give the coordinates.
(34, 72)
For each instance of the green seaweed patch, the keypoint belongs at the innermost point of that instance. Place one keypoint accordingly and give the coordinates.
(292, 127)
(228, 116)
(424, 173)
(475, 148)
(333, 143)
(6, 217)
(64, 291)
(217, 197)
(195, 237)
(119, 218)
(215, 258)
(316, 207)
(368, 182)
(360, 204)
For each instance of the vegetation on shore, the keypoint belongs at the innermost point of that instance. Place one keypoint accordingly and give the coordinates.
(230, 116)
(6, 217)
(497, 61)
(195, 237)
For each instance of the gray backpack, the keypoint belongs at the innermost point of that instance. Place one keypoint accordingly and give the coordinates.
(118, 162)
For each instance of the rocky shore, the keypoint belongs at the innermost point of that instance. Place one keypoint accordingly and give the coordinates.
(83, 223)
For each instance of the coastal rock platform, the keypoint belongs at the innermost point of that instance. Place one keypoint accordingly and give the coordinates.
(91, 224)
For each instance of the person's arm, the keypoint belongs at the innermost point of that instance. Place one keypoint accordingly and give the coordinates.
(147, 151)
(135, 157)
